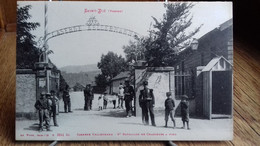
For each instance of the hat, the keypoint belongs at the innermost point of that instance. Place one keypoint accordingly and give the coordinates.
(145, 82)
(126, 80)
(48, 94)
(168, 93)
(43, 93)
(185, 96)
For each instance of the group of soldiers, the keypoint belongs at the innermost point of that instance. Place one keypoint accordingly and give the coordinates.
(47, 107)
(47, 104)
(146, 101)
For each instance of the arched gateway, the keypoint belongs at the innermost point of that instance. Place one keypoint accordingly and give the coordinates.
(91, 25)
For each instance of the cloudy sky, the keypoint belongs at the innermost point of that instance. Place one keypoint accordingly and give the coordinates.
(86, 47)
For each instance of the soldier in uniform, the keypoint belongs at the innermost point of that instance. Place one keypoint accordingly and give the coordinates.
(146, 101)
(43, 105)
(54, 101)
(129, 95)
(66, 99)
(88, 97)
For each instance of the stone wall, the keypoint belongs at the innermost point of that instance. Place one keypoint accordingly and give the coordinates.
(25, 95)
(159, 80)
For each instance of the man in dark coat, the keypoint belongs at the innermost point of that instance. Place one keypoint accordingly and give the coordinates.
(129, 95)
(66, 99)
(43, 105)
(88, 97)
(146, 101)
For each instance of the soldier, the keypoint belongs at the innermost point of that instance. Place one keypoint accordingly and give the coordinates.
(66, 99)
(88, 97)
(54, 101)
(146, 101)
(129, 95)
(91, 97)
(43, 105)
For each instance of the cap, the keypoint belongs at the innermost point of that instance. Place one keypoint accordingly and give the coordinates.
(168, 93)
(43, 93)
(48, 94)
(145, 82)
(185, 96)
(126, 80)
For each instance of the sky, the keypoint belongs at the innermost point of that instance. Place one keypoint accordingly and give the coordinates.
(86, 47)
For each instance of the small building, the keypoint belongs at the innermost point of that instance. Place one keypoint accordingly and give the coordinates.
(78, 87)
(205, 74)
(115, 82)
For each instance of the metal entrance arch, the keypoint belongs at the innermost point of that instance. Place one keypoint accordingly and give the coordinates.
(91, 25)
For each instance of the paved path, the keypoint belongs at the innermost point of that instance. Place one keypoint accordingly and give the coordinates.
(111, 124)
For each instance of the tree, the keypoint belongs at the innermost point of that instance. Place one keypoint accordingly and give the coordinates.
(101, 82)
(167, 38)
(111, 65)
(27, 52)
(134, 50)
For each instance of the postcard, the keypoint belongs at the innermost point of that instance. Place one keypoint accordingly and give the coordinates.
(124, 71)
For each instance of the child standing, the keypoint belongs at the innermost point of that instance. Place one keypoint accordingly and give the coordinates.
(185, 111)
(169, 109)
(121, 96)
(100, 102)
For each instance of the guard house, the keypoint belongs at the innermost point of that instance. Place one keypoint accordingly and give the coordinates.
(205, 74)
(115, 82)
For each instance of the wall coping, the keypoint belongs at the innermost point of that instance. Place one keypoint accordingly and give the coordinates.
(25, 71)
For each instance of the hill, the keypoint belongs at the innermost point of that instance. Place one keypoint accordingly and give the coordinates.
(79, 68)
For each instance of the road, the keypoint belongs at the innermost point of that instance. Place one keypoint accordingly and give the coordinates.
(111, 124)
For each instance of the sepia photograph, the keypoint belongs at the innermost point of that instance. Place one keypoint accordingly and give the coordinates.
(124, 71)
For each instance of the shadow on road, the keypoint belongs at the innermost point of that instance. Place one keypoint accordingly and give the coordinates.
(34, 127)
(79, 109)
(112, 113)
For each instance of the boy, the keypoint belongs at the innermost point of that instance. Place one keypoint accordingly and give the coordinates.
(121, 96)
(185, 111)
(169, 109)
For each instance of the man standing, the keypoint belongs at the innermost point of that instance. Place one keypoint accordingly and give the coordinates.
(66, 99)
(88, 97)
(54, 101)
(146, 101)
(43, 105)
(129, 95)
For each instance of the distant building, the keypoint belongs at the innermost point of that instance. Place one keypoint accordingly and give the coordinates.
(205, 74)
(78, 87)
(115, 82)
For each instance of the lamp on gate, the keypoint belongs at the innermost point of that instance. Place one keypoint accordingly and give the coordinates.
(194, 44)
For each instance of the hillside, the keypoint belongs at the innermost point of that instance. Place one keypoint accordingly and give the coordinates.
(81, 77)
(79, 68)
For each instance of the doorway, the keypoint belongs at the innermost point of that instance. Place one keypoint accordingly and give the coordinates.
(221, 94)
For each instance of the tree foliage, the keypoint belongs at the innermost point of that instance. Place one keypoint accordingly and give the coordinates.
(101, 82)
(112, 64)
(27, 52)
(167, 38)
(134, 50)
